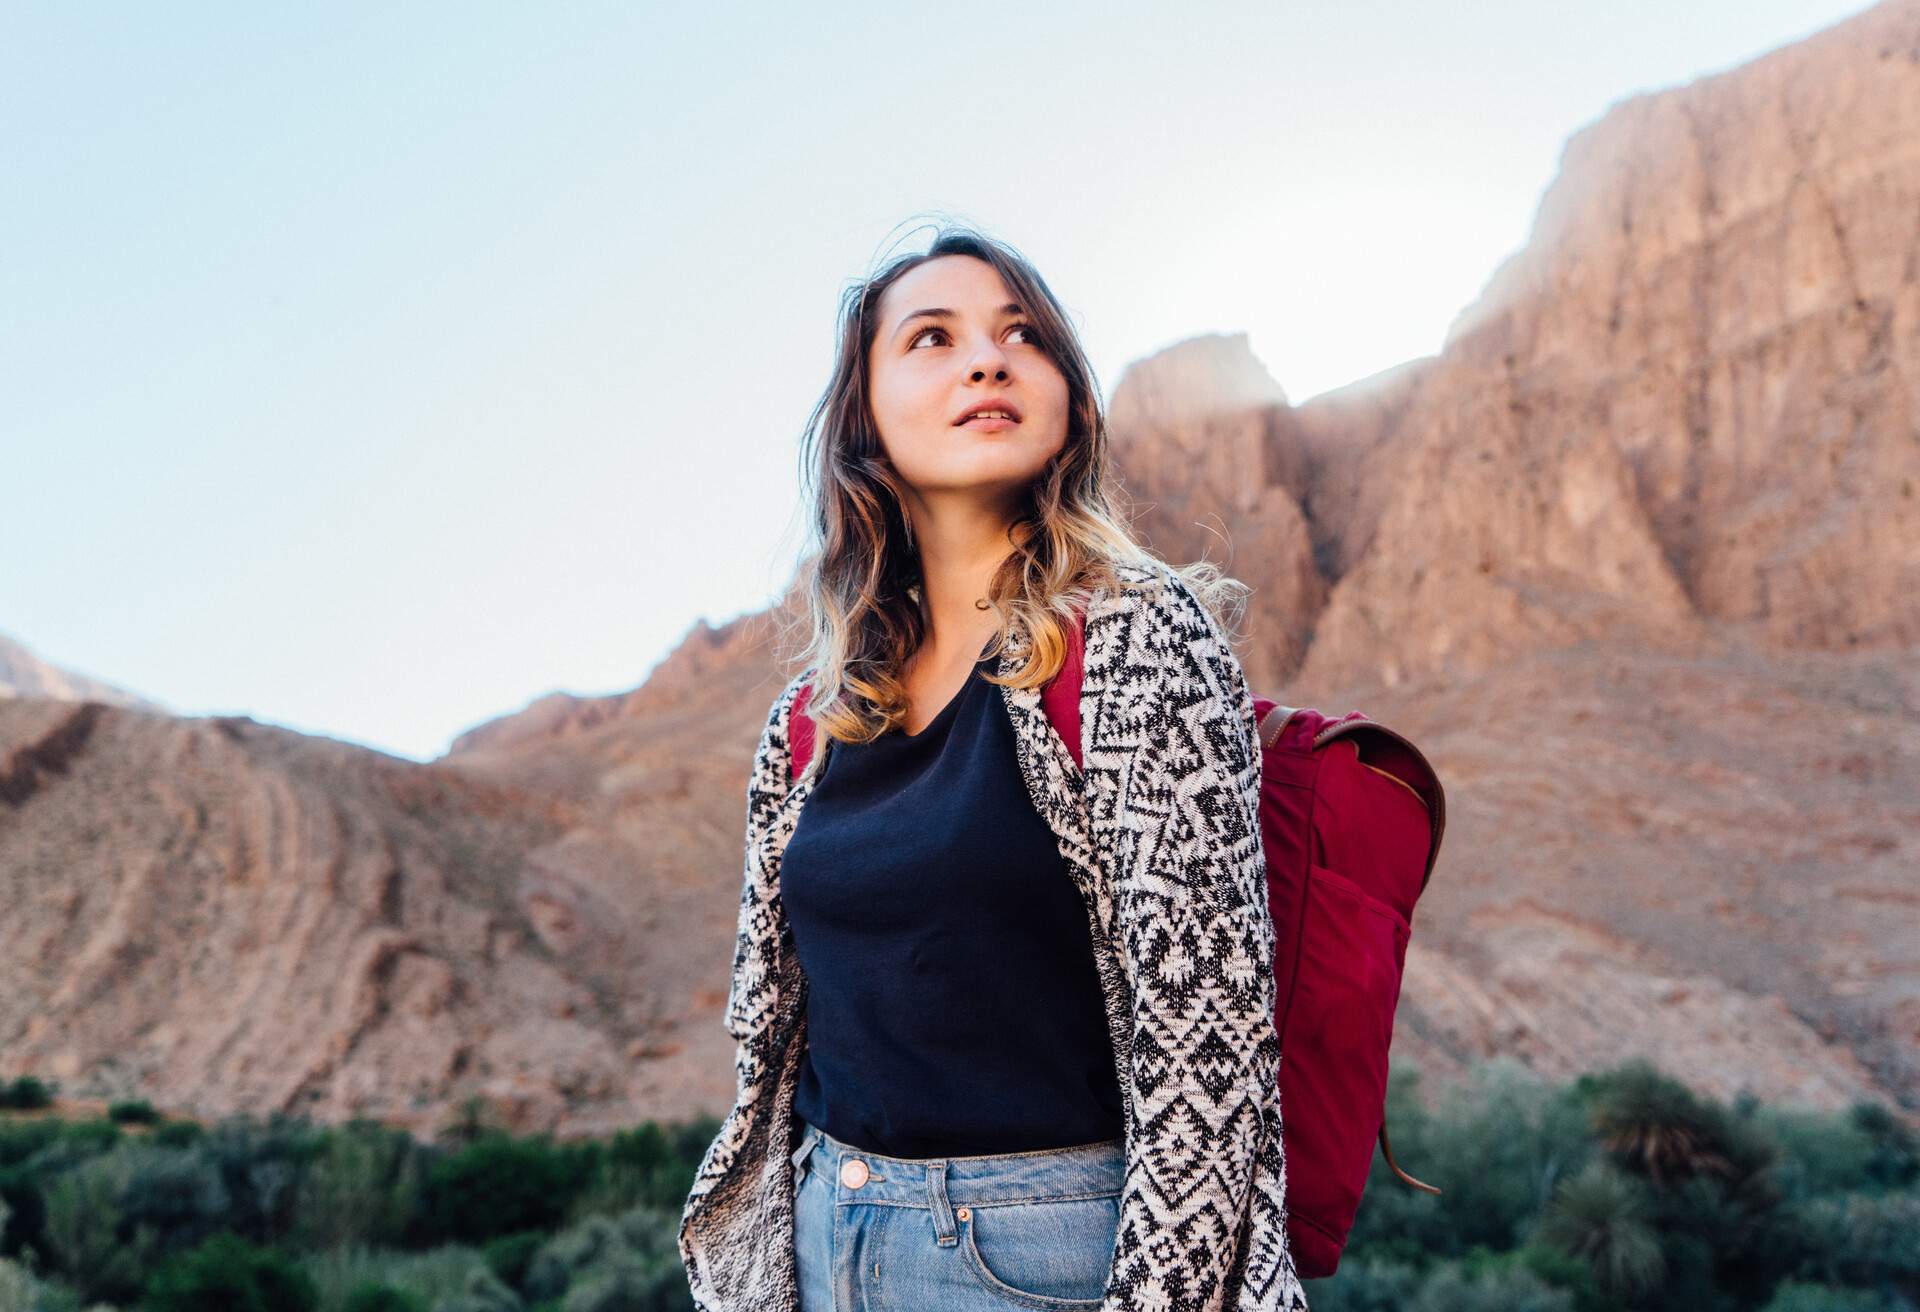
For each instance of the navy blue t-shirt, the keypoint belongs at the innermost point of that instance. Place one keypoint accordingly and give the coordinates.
(953, 1008)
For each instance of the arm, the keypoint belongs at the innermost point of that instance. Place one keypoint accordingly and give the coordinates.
(709, 1251)
(1202, 1210)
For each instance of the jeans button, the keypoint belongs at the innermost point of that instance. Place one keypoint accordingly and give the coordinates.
(853, 1173)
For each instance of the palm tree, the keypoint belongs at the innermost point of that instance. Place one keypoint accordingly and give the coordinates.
(1658, 1127)
(1602, 1217)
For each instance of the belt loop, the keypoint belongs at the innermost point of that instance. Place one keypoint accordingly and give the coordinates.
(943, 1227)
(807, 1143)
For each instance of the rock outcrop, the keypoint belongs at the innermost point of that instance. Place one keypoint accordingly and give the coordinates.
(1694, 395)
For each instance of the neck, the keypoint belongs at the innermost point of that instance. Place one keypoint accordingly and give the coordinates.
(958, 558)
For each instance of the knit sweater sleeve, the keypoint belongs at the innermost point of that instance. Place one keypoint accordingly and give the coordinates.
(1202, 1208)
(753, 988)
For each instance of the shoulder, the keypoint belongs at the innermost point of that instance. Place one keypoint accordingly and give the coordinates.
(1160, 652)
(1160, 613)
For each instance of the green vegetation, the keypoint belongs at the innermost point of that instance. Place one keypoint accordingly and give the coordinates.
(133, 1111)
(287, 1215)
(26, 1094)
(1623, 1189)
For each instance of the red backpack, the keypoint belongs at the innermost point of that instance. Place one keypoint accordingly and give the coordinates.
(1351, 816)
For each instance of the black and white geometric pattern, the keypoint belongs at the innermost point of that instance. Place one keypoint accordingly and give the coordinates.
(1161, 834)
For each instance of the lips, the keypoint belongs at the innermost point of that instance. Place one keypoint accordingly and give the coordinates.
(990, 424)
(1001, 404)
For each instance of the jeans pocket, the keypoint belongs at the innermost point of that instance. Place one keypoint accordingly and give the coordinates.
(1045, 1252)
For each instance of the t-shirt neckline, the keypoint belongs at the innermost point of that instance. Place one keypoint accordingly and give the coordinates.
(952, 702)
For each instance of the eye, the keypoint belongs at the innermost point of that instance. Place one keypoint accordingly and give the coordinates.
(1022, 326)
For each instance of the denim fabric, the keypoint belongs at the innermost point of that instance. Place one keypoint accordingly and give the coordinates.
(991, 1233)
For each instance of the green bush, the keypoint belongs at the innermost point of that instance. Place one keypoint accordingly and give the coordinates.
(18, 1291)
(434, 1277)
(1499, 1288)
(1896, 1158)
(628, 1285)
(25, 1208)
(510, 1255)
(86, 1233)
(178, 1134)
(25, 1149)
(132, 1111)
(1557, 1268)
(639, 1167)
(79, 1140)
(1496, 1146)
(1366, 1284)
(484, 1292)
(361, 1188)
(383, 1298)
(570, 1254)
(262, 1163)
(22, 1291)
(1819, 1154)
(632, 1261)
(20, 1140)
(179, 1192)
(1863, 1239)
(108, 1219)
(27, 1093)
(1796, 1296)
(228, 1274)
(501, 1185)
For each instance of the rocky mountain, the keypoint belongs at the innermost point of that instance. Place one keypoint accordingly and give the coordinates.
(1635, 558)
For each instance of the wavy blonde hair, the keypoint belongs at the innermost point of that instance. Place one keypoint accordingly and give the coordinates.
(860, 598)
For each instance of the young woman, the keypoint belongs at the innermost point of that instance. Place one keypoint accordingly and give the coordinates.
(1004, 1021)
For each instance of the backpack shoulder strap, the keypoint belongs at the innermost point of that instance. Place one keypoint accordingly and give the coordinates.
(800, 730)
(1060, 699)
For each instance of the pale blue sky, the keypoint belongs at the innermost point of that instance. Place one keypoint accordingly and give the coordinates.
(375, 370)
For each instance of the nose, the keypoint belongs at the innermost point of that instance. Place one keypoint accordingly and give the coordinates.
(988, 356)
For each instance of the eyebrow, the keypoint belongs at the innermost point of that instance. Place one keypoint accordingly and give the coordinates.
(939, 312)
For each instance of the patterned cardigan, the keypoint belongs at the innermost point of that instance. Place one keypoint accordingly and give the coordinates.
(1161, 834)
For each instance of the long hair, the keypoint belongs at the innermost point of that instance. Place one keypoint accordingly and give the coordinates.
(860, 596)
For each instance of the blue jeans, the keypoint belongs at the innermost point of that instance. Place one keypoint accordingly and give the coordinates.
(954, 1234)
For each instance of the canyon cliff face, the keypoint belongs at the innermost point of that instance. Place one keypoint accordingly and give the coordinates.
(1635, 559)
(1693, 396)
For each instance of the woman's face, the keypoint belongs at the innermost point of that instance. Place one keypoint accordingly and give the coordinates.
(927, 371)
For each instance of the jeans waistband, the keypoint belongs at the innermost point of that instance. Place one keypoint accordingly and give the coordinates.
(1090, 1170)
